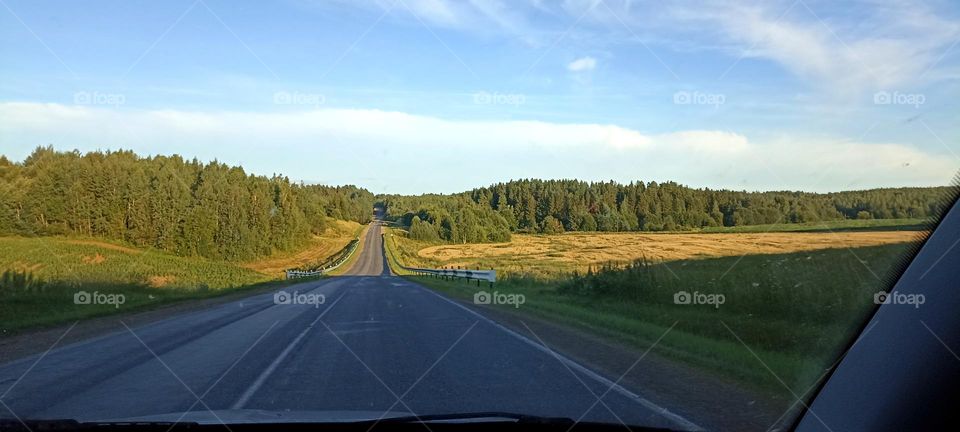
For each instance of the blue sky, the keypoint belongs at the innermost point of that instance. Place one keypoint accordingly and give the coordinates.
(413, 96)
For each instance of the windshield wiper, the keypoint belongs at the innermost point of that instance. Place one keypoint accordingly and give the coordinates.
(561, 423)
(508, 416)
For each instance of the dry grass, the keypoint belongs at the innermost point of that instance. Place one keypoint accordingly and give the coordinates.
(95, 259)
(106, 245)
(335, 238)
(160, 281)
(565, 252)
(24, 266)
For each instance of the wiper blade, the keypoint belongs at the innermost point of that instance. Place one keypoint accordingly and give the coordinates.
(552, 423)
(517, 418)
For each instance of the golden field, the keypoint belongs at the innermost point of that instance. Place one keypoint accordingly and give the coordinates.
(578, 251)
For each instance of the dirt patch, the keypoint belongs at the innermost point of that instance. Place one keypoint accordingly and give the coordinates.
(160, 281)
(105, 245)
(96, 259)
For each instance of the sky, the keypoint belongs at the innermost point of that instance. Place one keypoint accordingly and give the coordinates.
(417, 96)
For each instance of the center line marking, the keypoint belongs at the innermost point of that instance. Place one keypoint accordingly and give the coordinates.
(245, 397)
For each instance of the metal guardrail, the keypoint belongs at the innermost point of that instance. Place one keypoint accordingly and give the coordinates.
(446, 273)
(480, 275)
(294, 274)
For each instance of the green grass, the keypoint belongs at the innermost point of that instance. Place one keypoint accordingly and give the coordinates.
(75, 261)
(392, 250)
(401, 249)
(795, 311)
(827, 226)
(43, 274)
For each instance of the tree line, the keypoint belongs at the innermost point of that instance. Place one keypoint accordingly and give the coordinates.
(447, 218)
(218, 211)
(555, 206)
(182, 206)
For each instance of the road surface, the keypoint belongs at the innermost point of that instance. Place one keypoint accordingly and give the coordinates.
(377, 343)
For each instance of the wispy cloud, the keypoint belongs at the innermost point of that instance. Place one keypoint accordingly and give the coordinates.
(852, 46)
(476, 16)
(582, 64)
(863, 46)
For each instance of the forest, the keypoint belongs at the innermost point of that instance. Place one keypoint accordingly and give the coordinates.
(186, 207)
(213, 210)
(555, 206)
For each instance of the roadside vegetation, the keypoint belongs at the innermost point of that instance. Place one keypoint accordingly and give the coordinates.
(319, 250)
(353, 254)
(40, 277)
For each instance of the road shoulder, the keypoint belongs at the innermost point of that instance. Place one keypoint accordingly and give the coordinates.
(711, 401)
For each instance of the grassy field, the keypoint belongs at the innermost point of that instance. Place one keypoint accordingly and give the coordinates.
(93, 262)
(547, 255)
(320, 248)
(793, 298)
(827, 226)
(40, 277)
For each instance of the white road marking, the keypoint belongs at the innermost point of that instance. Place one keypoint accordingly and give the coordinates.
(245, 397)
(676, 418)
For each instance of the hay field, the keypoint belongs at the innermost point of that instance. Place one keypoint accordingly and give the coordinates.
(570, 251)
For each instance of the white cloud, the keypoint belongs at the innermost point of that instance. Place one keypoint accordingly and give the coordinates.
(582, 64)
(476, 16)
(847, 48)
(400, 152)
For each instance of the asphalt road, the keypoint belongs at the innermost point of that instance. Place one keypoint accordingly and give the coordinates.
(377, 343)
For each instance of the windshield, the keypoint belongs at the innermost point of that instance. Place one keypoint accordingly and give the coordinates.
(627, 212)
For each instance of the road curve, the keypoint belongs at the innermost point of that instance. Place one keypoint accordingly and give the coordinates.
(378, 343)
